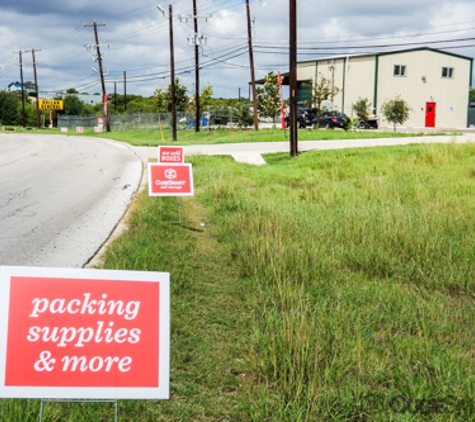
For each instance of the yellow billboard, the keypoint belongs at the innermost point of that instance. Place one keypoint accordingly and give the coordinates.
(51, 104)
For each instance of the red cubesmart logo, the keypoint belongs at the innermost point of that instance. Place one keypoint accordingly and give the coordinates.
(170, 179)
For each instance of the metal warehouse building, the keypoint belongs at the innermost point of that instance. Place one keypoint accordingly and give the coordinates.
(436, 84)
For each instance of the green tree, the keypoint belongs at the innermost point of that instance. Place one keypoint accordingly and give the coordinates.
(9, 107)
(73, 106)
(362, 108)
(268, 98)
(243, 116)
(396, 111)
(322, 91)
(205, 97)
(163, 97)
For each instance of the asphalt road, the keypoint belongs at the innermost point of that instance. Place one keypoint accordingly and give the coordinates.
(61, 197)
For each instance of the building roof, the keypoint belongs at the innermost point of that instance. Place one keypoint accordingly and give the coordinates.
(285, 76)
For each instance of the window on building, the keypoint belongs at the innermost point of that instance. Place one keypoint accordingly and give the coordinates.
(447, 72)
(399, 70)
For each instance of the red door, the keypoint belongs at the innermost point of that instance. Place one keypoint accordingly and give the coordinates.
(430, 114)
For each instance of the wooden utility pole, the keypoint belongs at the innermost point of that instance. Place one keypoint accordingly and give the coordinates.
(251, 63)
(293, 79)
(99, 61)
(172, 68)
(197, 69)
(125, 90)
(20, 62)
(38, 114)
(196, 42)
(172, 72)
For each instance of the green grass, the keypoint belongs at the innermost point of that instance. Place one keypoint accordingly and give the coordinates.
(334, 286)
(225, 135)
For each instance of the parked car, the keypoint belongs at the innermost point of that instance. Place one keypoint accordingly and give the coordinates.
(304, 118)
(331, 120)
(370, 123)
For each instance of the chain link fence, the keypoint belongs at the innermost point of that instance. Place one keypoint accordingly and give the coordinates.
(150, 121)
(210, 118)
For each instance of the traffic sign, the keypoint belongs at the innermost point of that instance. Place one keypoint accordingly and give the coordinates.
(171, 154)
(51, 104)
(170, 179)
(77, 333)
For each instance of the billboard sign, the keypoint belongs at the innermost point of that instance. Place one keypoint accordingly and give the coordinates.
(171, 154)
(170, 179)
(51, 104)
(76, 333)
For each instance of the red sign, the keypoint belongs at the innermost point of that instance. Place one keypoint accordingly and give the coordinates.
(100, 121)
(79, 129)
(282, 113)
(170, 180)
(171, 154)
(69, 333)
(98, 129)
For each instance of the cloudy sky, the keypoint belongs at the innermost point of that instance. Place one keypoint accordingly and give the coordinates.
(138, 38)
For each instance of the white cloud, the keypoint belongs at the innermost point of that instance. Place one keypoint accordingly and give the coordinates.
(138, 34)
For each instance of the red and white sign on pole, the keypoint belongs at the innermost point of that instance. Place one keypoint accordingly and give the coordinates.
(170, 179)
(75, 333)
(171, 154)
(100, 122)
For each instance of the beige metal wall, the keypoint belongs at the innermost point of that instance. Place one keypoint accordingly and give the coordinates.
(359, 81)
(424, 83)
(332, 70)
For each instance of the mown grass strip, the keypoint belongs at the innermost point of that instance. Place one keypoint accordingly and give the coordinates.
(225, 135)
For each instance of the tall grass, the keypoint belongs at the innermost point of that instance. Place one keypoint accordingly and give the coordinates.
(362, 272)
(334, 286)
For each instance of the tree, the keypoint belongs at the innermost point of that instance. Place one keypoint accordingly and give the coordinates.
(396, 111)
(362, 108)
(243, 116)
(9, 107)
(268, 98)
(205, 97)
(322, 90)
(163, 97)
(73, 106)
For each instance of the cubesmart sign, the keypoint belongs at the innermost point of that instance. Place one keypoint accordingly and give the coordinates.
(171, 154)
(75, 333)
(170, 179)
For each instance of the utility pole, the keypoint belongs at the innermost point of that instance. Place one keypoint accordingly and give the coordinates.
(125, 90)
(20, 62)
(99, 61)
(38, 118)
(293, 78)
(172, 69)
(251, 62)
(196, 42)
(197, 70)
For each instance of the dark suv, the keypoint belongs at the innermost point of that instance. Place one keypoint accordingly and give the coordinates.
(304, 118)
(331, 120)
